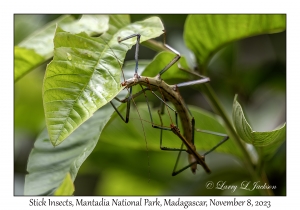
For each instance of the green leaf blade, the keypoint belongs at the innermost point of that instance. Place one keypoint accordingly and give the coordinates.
(41, 42)
(242, 127)
(67, 186)
(271, 137)
(206, 34)
(71, 93)
(85, 73)
(258, 139)
(48, 166)
(25, 59)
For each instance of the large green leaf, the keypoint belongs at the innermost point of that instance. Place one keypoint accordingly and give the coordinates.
(269, 140)
(49, 166)
(38, 47)
(85, 72)
(205, 34)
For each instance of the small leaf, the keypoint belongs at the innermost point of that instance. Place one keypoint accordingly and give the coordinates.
(85, 73)
(206, 34)
(259, 139)
(66, 187)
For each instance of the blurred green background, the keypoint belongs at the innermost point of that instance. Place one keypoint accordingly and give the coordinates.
(253, 68)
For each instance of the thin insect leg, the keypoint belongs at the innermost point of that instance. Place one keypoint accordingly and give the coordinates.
(161, 127)
(202, 162)
(200, 81)
(190, 72)
(138, 36)
(161, 137)
(194, 82)
(149, 109)
(183, 169)
(174, 60)
(126, 119)
(125, 100)
(194, 153)
(211, 132)
(176, 163)
(174, 173)
(191, 164)
(176, 115)
(136, 68)
(217, 145)
(226, 137)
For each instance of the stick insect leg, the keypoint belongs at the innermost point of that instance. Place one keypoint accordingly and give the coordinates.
(128, 100)
(174, 60)
(226, 137)
(177, 160)
(130, 97)
(174, 173)
(161, 136)
(161, 127)
(163, 102)
(137, 46)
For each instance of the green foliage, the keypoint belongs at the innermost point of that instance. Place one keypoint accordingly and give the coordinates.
(138, 140)
(48, 165)
(39, 45)
(271, 139)
(85, 74)
(25, 60)
(67, 186)
(205, 34)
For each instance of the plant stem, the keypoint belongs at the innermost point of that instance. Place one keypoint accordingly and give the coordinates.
(247, 160)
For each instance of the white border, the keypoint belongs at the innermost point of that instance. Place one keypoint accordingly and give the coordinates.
(151, 7)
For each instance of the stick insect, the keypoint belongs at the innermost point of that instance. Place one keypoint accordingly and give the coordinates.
(169, 93)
